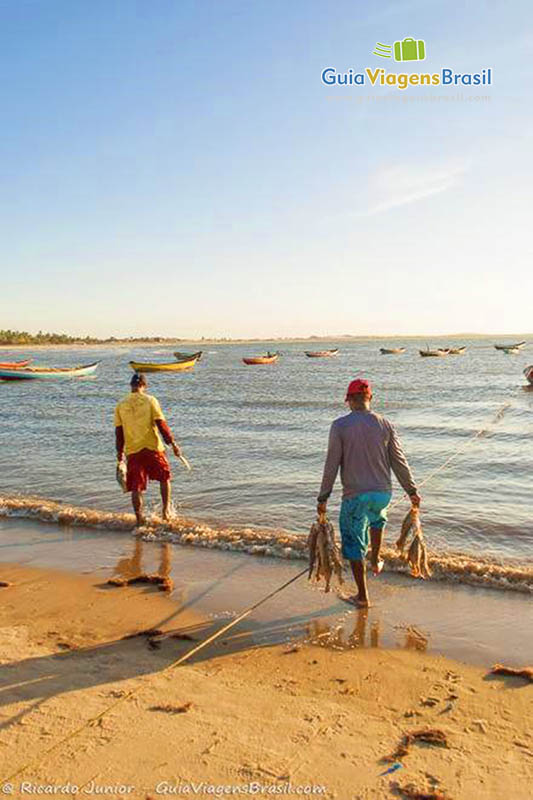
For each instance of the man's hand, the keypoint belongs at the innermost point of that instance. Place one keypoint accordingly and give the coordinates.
(321, 509)
(176, 449)
(415, 499)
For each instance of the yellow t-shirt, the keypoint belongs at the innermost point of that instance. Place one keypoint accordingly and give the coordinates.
(137, 414)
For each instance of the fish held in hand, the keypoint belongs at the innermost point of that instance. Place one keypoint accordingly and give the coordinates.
(121, 475)
(417, 556)
(325, 560)
(407, 524)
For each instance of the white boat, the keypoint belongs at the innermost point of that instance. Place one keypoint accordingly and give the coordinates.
(47, 373)
(507, 348)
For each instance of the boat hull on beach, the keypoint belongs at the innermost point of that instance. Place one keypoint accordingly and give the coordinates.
(15, 364)
(393, 351)
(271, 358)
(322, 353)
(188, 356)
(433, 353)
(508, 348)
(171, 366)
(47, 373)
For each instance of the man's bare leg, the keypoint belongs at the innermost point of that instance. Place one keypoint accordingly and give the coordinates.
(376, 539)
(359, 574)
(165, 498)
(137, 502)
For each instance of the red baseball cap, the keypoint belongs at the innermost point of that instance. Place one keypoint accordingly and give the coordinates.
(359, 386)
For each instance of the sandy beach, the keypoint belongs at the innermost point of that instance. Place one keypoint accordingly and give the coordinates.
(236, 714)
(266, 401)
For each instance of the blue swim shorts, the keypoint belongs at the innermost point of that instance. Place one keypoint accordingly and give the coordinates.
(358, 515)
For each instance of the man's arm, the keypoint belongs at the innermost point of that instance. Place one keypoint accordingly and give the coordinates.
(331, 467)
(401, 468)
(163, 428)
(119, 441)
(166, 433)
(119, 435)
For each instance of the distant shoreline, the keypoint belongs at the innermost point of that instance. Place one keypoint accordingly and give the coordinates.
(397, 338)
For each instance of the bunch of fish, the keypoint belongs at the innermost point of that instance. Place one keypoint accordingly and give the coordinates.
(325, 559)
(416, 556)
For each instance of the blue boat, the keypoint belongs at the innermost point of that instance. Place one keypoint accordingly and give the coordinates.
(47, 373)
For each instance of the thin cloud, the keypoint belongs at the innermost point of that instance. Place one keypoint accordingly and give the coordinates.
(401, 185)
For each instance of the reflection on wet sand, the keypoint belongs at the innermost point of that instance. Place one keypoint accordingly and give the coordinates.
(129, 570)
(415, 639)
(345, 636)
(357, 632)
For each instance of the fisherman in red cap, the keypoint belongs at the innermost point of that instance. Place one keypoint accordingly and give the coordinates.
(366, 448)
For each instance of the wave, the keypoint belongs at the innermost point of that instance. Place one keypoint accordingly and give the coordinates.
(451, 567)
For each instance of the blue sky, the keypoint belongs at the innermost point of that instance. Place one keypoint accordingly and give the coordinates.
(178, 168)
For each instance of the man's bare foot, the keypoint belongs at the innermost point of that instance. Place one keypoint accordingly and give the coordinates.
(141, 521)
(355, 600)
(377, 566)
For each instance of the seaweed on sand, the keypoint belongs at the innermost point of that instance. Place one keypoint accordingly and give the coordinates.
(524, 672)
(430, 736)
(163, 583)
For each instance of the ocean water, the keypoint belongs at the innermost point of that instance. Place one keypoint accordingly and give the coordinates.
(256, 436)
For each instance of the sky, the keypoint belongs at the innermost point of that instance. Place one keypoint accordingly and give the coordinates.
(178, 168)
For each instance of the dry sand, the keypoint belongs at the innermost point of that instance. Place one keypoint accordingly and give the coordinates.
(236, 714)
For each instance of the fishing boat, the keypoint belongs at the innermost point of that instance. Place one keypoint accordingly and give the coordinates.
(528, 372)
(433, 353)
(322, 353)
(508, 347)
(47, 373)
(15, 364)
(457, 351)
(172, 366)
(393, 351)
(188, 356)
(270, 358)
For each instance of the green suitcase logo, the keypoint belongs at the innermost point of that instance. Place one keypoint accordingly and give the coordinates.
(410, 50)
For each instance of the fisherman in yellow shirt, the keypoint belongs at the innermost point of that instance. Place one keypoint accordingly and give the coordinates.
(140, 429)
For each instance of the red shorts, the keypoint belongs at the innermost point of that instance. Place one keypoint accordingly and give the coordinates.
(144, 465)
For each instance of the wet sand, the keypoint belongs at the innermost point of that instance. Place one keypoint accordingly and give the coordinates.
(451, 567)
(474, 624)
(302, 713)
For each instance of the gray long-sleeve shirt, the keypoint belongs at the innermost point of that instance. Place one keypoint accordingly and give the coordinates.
(366, 448)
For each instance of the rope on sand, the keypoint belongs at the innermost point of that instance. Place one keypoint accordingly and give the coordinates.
(185, 657)
(246, 613)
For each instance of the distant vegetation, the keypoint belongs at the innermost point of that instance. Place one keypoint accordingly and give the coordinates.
(23, 337)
